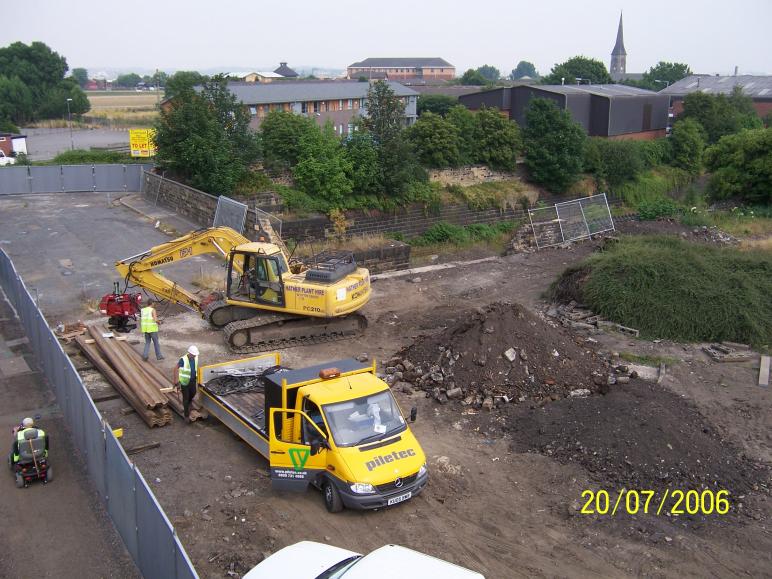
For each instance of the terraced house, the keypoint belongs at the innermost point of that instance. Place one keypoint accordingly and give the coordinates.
(339, 102)
(433, 68)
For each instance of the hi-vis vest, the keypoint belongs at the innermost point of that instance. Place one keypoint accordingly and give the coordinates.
(21, 440)
(184, 372)
(147, 323)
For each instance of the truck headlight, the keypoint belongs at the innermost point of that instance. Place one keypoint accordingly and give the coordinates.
(422, 470)
(362, 488)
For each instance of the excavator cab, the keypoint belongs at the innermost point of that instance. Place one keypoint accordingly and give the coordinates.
(256, 276)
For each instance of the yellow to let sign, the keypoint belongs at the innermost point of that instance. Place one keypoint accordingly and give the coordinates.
(142, 142)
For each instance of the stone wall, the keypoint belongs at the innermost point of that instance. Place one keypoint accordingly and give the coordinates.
(471, 175)
(393, 256)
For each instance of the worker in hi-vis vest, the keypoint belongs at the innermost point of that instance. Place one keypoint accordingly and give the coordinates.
(148, 324)
(186, 378)
(20, 438)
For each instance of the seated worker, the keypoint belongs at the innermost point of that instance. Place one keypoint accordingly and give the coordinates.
(21, 437)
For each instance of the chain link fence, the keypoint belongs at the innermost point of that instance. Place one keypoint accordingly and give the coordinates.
(571, 220)
(141, 522)
(17, 180)
(230, 213)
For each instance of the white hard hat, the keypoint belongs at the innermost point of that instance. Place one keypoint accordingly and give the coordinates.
(28, 423)
(193, 350)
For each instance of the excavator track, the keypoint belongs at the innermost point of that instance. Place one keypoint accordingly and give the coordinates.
(272, 331)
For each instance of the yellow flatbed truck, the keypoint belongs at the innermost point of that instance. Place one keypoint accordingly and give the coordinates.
(334, 426)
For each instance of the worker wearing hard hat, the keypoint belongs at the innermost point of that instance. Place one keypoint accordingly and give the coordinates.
(186, 378)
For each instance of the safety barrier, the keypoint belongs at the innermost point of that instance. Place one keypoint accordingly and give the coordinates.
(149, 536)
(71, 178)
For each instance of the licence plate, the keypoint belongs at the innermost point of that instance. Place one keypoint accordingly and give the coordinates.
(399, 499)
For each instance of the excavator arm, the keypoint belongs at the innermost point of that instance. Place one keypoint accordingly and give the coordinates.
(140, 269)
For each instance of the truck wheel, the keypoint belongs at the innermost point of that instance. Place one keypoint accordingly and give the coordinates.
(19, 481)
(332, 498)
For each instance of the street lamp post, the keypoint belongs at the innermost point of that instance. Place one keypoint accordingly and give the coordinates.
(69, 120)
(665, 82)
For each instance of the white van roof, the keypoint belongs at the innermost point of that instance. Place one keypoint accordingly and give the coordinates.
(394, 561)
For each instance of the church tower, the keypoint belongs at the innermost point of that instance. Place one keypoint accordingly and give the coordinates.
(619, 55)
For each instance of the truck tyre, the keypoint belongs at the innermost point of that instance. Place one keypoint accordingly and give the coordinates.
(19, 481)
(332, 498)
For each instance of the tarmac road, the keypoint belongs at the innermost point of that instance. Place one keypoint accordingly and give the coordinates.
(45, 144)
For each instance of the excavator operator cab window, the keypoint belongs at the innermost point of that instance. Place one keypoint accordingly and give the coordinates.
(260, 280)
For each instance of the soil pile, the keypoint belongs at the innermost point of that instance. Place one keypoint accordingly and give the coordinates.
(638, 436)
(501, 353)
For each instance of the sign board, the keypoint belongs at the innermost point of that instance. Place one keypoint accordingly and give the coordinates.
(142, 142)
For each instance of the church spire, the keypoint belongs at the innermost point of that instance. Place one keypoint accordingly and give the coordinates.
(619, 47)
(618, 66)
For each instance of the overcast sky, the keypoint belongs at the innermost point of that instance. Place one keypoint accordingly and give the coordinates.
(712, 36)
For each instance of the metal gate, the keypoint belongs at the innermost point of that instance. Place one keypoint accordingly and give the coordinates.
(230, 213)
(571, 220)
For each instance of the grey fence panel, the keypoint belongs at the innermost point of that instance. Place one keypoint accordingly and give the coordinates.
(597, 213)
(46, 179)
(183, 566)
(134, 176)
(156, 541)
(14, 180)
(109, 177)
(95, 445)
(572, 220)
(121, 504)
(230, 213)
(77, 178)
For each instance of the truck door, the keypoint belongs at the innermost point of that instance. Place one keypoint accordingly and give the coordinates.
(297, 449)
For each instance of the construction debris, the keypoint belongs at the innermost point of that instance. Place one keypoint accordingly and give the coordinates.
(68, 332)
(723, 353)
(142, 448)
(764, 371)
(578, 317)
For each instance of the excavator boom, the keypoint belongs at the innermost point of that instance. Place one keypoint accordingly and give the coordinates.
(140, 269)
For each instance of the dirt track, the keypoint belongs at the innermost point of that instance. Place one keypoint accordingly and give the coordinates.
(490, 505)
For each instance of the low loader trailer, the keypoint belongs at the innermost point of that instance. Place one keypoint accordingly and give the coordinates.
(335, 426)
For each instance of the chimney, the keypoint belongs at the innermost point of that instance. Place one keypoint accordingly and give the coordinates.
(283, 63)
(698, 82)
(735, 70)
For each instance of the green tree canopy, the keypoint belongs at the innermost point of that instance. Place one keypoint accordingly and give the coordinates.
(204, 138)
(741, 166)
(54, 104)
(323, 168)
(489, 73)
(553, 145)
(281, 133)
(80, 75)
(720, 114)
(128, 80)
(438, 104)
(362, 155)
(523, 68)
(181, 80)
(435, 140)
(16, 101)
(496, 140)
(578, 67)
(613, 162)
(36, 65)
(464, 120)
(688, 142)
(473, 77)
(669, 72)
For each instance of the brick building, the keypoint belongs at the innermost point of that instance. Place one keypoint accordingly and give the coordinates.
(759, 88)
(339, 102)
(603, 110)
(402, 69)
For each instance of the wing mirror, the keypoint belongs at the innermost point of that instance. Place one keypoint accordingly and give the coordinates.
(317, 445)
(413, 413)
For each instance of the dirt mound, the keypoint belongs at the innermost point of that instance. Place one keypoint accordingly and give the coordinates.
(501, 353)
(638, 436)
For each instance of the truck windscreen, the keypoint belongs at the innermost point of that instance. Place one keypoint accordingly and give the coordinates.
(364, 419)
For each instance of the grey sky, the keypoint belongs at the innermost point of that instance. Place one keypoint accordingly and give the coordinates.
(712, 36)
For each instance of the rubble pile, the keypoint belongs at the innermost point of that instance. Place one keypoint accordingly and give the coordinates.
(578, 317)
(712, 235)
(501, 354)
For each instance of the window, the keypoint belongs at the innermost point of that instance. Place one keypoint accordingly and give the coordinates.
(340, 105)
(253, 111)
(316, 106)
(350, 128)
(350, 104)
(304, 107)
(341, 129)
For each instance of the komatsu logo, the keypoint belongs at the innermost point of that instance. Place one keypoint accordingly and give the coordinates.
(380, 460)
(166, 259)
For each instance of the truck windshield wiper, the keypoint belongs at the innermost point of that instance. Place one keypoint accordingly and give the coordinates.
(371, 438)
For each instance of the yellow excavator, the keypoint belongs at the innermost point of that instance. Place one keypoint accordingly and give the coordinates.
(270, 301)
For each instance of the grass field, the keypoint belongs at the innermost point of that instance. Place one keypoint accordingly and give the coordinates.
(123, 108)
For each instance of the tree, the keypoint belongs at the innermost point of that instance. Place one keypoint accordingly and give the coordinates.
(496, 140)
(181, 80)
(578, 67)
(553, 145)
(81, 76)
(614, 162)
(55, 101)
(435, 141)
(323, 169)
(669, 72)
(362, 155)
(720, 114)
(204, 137)
(129, 80)
(385, 112)
(523, 68)
(688, 142)
(16, 101)
(742, 166)
(159, 78)
(438, 104)
(489, 73)
(281, 134)
(474, 78)
(464, 120)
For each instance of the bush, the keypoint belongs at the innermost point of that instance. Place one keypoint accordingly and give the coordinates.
(655, 208)
(84, 157)
(670, 288)
(653, 184)
(444, 232)
(742, 166)
(688, 142)
(656, 152)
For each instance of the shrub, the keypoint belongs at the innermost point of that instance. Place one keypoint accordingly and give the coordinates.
(655, 208)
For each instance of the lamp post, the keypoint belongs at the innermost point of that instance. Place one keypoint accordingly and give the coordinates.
(579, 80)
(665, 82)
(69, 120)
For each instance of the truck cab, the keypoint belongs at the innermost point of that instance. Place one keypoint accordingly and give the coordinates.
(335, 426)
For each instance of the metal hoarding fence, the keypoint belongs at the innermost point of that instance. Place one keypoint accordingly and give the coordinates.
(230, 213)
(71, 178)
(570, 220)
(141, 522)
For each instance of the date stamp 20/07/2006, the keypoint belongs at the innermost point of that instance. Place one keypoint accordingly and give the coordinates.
(650, 502)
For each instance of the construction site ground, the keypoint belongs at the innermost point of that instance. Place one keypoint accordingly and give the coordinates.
(505, 486)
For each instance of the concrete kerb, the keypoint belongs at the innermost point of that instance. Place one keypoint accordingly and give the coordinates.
(168, 221)
(431, 268)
